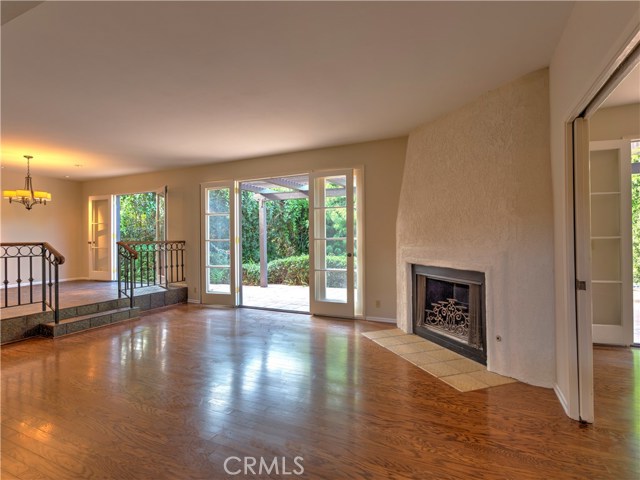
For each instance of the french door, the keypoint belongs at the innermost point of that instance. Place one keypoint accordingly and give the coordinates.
(100, 238)
(332, 243)
(219, 244)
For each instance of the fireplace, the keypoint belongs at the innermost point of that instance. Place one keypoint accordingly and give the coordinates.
(449, 309)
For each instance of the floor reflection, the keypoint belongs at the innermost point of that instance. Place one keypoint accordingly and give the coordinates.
(175, 393)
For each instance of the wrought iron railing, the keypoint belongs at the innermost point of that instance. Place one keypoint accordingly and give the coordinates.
(31, 259)
(146, 264)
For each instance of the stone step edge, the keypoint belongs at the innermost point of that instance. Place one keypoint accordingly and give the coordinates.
(95, 320)
(97, 308)
(143, 301)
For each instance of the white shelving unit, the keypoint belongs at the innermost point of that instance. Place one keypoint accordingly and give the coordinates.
(612, 289)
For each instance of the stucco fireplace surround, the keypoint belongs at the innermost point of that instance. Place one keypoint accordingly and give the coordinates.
(476, 195)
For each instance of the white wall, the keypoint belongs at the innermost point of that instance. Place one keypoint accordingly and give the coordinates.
(383, 163)
(594, 37)
(476, 195)
(57, 223)
(616, 123)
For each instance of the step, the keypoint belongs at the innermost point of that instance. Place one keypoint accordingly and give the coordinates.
(93, 308)
(86, 322)
(17, 328)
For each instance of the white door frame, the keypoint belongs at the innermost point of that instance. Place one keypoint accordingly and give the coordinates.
(318, 303)
(359, 248)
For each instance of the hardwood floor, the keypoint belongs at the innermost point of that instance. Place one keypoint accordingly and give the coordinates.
(175, 394)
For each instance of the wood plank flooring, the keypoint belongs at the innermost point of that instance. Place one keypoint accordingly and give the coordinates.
(174, 394)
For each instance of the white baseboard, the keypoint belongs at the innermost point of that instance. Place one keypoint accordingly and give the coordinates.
(193, 300)
(381, 319)
(563, 401)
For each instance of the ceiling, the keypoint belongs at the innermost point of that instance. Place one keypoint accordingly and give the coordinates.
(128, 87)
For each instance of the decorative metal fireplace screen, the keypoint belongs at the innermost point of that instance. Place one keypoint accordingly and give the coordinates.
(449, 309)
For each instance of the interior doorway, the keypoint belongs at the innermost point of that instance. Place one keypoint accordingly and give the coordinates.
(602, 189)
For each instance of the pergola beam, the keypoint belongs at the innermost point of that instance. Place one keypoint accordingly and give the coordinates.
(270, 195)
(285, 182)
(251, 188)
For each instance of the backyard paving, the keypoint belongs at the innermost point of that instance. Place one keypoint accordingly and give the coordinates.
(283, 297)
(279, 297)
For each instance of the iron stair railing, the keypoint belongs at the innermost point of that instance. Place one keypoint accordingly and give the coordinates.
(146, 264)
(17, 261)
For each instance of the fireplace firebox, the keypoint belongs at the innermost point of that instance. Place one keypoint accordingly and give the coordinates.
(449, 309)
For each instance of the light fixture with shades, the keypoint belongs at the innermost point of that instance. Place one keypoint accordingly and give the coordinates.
(27, 196)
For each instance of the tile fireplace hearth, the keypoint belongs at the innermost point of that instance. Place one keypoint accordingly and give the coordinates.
(455, 370)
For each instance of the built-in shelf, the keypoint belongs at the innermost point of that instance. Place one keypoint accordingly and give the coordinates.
(610, 227)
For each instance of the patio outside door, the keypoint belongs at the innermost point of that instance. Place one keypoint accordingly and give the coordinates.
(100, 238)
(331, 245)
(219, 244)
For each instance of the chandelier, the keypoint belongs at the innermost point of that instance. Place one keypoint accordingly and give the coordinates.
(27, 196)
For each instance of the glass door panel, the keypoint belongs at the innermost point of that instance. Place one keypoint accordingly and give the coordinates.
(218, 244)
(331, 211)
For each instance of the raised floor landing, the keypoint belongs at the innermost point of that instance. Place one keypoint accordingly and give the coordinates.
(83, 305)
